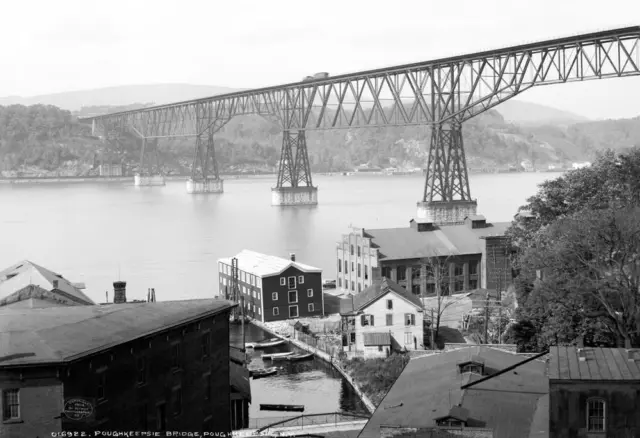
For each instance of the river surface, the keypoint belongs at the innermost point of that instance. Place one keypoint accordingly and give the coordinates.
(161, 237)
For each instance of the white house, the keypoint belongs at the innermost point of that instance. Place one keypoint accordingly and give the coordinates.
(382, 318)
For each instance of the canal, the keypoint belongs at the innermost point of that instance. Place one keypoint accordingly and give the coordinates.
(314, 384)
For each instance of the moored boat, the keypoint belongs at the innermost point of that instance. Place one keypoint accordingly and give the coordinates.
(263, 372)
(295, 408)
(273, 342)
(275, 356)
(299, 357)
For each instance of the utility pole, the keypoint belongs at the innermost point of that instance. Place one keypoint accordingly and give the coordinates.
(486, 320)
(433, 323)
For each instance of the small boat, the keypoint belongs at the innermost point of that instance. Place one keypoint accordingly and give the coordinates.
(294, 408)
(329, 284)
(273, 342)
(263, 372)
(275, 356)
(299, 357)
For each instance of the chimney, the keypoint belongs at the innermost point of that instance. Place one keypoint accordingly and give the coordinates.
(292, 256)
(582, 355)
(119, 292)
(55, 284)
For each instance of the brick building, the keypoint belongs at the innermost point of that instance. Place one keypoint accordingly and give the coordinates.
(118, 367)
(594, 392)
(273, 288)
(461, 257)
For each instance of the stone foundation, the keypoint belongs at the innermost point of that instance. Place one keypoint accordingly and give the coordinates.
(146, 180)
(205, 186)
(446, 212)
(294, 196)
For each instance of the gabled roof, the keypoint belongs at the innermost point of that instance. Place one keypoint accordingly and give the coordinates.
(377, 290)
(430, 386)
(67, 333)
(378, 338)
(26, 273)
(442, 241)
(264, 265)
(600, 364)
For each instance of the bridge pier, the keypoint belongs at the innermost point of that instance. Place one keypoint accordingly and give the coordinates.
(148, 180)
(294, 186)
(150, 176)
(209, 185)
(447, 179)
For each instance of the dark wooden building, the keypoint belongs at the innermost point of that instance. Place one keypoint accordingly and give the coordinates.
(273, 288)
(120, 367)
(459, 257)
(594, 392)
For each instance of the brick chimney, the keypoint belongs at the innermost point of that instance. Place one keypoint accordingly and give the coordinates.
(292, 256)
(119, 292)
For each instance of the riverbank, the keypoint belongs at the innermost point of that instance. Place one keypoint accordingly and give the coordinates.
(287, 335)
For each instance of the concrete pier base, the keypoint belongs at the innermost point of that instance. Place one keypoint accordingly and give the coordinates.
(294, 196)
(205, 186)
(446, 212)
(146, 180)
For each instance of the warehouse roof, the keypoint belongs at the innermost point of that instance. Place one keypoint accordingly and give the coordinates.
(264, 265)
(63, 334)
(597, 364)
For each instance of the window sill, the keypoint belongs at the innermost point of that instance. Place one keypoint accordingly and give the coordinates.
(13, 421)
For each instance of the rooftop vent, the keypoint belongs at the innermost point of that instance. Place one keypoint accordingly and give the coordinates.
(476, 221)
(421, 225)
(582, 354)
(292, 256)
(55, 284)
(633, 355)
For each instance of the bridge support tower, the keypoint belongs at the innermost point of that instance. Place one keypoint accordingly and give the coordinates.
(151, 174)
(204, 171)
(294, 185)
(447, 198)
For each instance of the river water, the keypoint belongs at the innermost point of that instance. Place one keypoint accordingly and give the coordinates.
(161, 237)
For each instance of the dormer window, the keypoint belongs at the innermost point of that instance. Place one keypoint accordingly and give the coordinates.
(457, 417)
(474, 365)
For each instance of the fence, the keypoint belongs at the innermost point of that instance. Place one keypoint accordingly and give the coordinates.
(321, 344)
(311, 419)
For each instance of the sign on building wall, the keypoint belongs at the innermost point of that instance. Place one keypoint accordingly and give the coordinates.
(79, 409)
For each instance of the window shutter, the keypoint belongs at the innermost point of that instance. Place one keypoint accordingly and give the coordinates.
(372, 320)
(362, 320)
(413, 319)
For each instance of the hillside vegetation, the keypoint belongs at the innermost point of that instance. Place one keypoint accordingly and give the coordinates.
(46, 140)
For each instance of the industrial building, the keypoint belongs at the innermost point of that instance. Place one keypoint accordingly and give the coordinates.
(459, 257)
(272, 288)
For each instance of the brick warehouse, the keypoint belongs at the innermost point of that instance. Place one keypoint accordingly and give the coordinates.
(119, 367)
(274, 288)
(475, 251)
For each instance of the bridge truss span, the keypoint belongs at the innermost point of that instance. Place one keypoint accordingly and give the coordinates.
(442, 94)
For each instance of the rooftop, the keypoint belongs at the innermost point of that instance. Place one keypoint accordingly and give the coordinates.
(25, 273)
(377, 290)
(598, 364)
(64, 334)
(264, 265)
(430, 386)
(446, 240)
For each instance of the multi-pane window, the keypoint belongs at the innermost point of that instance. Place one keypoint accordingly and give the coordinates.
(175, 356)
(386, 271)
(366, 320)
(359, 270)
(401, 273)
(274, 296)
(346, 267)
(366, 272)
(389, 320)
(102, 385)
(409, 319)
(408, 338)
(293, 296)
(473, 284)
(293, 311)
(292, 282)
(458, 270)
(310, 307)
(351, 249)
(390, 304)
(473, 268)
(301, 279)
(596, 415)
(309, 293)
(339, 265)
(359, 252)
(10, 404)
(276, 311)
(142, 370)
(283, 281)
(205, 344)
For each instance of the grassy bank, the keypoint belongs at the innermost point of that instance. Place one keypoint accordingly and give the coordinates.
(376, 376)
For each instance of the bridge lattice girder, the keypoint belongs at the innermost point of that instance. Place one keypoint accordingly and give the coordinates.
(442, 93)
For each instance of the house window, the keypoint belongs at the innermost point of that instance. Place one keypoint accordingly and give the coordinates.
(444, 288)
(390, 304)
(408, 338)
(259, 311)
(254, 309)
(339, 282)
(352, 267)
(293, 296)
(386, 271)
(259, 282)
(359, 287)
(409, 319)
(473, 284)
(366, 272)
(300, 279)
(359, 270)
(459, 285)
(353, 338)
(379, 347)
(283, 281)
(401, 273)
(389, 319)
(205, 343)
(102, 385)
(366, 320)
(310, 307)
(207, 386)
(431, 288)
(353, 285)
(473, 268)
(339, 265)
(274, 296)
(293, 311)
(458, 270)
(596, 415)
(309, 293)
(175, 356)
(177, 401)
(292, 282)
(346, 266)
(415, 289)
(142, 370)
(472, 368)
(359, 252)
(276, 311)
(351, 249)
(10, 404)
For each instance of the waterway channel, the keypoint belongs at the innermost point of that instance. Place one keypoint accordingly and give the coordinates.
(314, 384)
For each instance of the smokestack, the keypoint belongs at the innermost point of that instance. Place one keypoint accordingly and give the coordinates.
(292, 256)
(119, 292)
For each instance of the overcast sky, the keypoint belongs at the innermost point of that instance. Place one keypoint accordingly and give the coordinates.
(64, 45)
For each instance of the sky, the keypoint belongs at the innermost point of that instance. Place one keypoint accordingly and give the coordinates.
(67, 45)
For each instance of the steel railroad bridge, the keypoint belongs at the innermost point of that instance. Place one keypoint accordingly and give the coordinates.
(441, 94)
